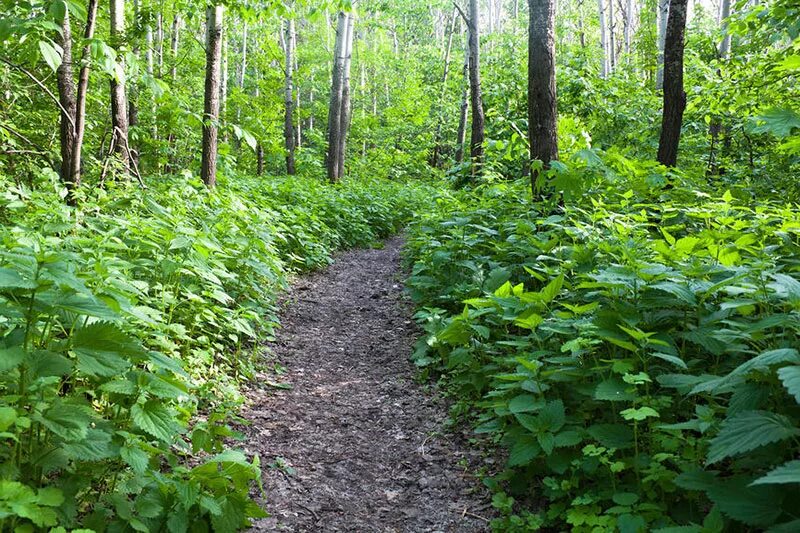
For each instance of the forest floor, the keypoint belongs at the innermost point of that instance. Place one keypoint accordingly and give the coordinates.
(356, 444)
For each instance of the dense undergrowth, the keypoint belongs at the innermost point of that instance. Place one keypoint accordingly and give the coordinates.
(635, 351)
(128, 322)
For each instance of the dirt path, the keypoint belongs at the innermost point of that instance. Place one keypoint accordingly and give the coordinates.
(356, 444)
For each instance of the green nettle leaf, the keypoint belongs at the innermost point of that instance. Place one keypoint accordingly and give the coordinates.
(614, 390)
(786, 473)
(51, 56)
(68, 421)
(11, 357)
(747, 431)
(760, 363)
(104, 350)
(619, 436)
(755, 506)
(7, 417)
(154, 418)
(639, 414)
(525, 403)
(790, 377)
(11, 279)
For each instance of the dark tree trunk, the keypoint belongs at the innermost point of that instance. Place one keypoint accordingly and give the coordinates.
(477, 133)
(66, 97)
(288, 121)
(83, 86)
(335, 107)
(542, 127)
(674, 95)
(119, 104)
(208, 171)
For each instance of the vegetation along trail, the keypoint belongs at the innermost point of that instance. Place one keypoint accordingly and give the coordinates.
(356, 444)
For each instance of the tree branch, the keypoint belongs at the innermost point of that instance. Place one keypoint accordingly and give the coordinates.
(42, 85)
(463, 16)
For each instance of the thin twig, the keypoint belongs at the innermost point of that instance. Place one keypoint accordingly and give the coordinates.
(43, 86)
(463, 16)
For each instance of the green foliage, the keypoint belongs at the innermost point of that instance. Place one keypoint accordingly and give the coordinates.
(636, 350)
(127, 323)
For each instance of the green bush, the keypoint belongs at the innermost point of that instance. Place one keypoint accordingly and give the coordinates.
(636, 353)
(125, 326)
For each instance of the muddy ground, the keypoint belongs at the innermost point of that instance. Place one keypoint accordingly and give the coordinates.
(357, 444)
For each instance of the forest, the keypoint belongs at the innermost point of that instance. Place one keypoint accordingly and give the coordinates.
(430, 265)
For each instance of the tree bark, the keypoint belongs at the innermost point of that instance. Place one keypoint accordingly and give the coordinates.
(119, 107)
(288, 122)
(160, 39)
(661, 15)
(173, 48)
(223, 85)
(612, 46)
(477, 133)
(604, 66)
(66, 97)
(542, 108)
(133, 95)
(628, 27)
(437, 148)
(674, 95)
(212, 94)
(335, 107)
(461, 135)
(347, 107)
(83, 86)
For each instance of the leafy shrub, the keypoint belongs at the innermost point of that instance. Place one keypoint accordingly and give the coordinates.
(635, 353)
(125, 325)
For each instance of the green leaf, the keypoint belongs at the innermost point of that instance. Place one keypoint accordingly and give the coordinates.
(790, 377)
(639, 414)
(617, 436)
(157, 420)
(755, 506)
(551, 290)
(11, 357)
(50, 497)
(104, 350)
(777, 121)
(614, 390)
(68, 421)
(552, 416)
(786, 473)
(11, 279)
(675, 360)
(747, 431)
(525, 403)
(8, 415)
(760, 363)
(50, 55)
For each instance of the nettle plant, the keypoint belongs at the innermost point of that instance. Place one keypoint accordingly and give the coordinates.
(638, 359)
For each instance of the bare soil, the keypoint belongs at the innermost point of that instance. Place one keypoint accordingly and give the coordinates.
(357, 444)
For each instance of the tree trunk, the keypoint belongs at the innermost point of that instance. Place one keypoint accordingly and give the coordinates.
(725, 45)
(542, 127)
(133, 96)
(83, 86)
(661, 16)
(119, 107)
(437, 148)
(347, 107)
(674, 95)
(173, 48)
(223, 85)
(716, 127)
(288, 122)
(243, 62)
(66, 97)
(628, 27)
(160, 39)
(461, 135)
(212, 92)
(335, 107)
(581, 30)
(604, 66)
(612, 45)
(477, 133)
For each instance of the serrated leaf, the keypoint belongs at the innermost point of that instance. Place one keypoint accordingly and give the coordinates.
(790, 377)
(11, 357)
(155, 419)
(11, 279)
(760, 363)
(68, 421)
(786, 473)
(102, 349)
(755, 506)
(747, 431)
(617, 436)
(614, 390)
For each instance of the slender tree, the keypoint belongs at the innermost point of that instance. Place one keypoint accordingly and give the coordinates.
(119, 106)
(347, 107)
(674, 95)
(214, 15)
(661, 16)
(66, 97)
(335, 107)
(476, 99)
(542, 130)
(437, 148)
(605, 65)
(83, 87)
(461, 134)
(173, 48)
(288, 128)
